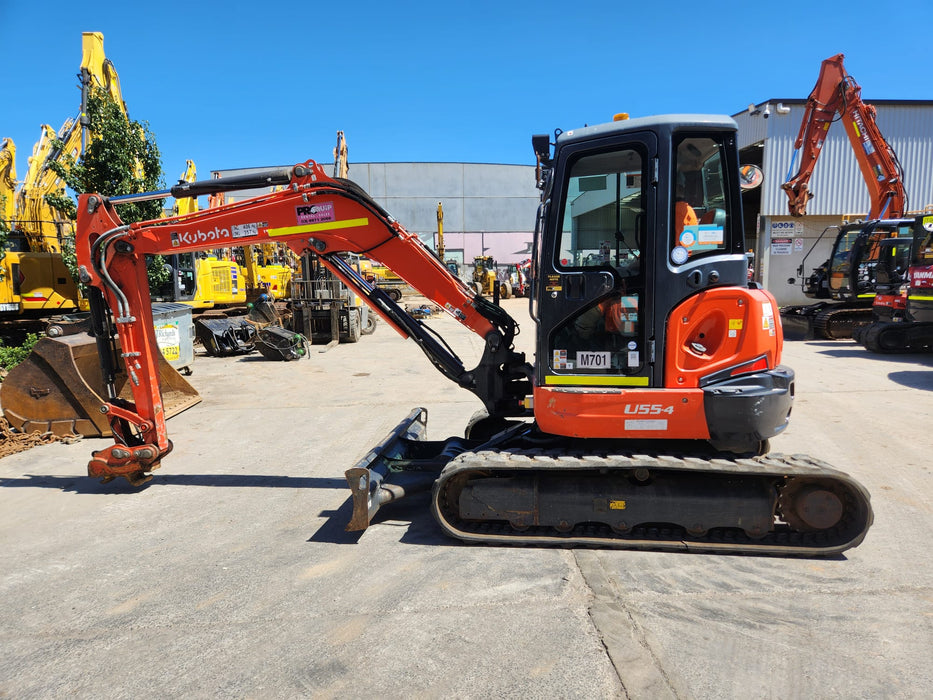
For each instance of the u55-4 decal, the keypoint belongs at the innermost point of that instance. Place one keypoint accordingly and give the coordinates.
(648, 409)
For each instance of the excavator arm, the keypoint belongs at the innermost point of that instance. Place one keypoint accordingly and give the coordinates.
(7, 181)
(837, 93)
(312, 213)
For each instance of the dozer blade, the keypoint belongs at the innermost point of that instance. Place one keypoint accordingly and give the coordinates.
(59, 388)
(403, 463)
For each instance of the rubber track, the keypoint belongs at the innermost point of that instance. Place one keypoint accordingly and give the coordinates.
(838, 324)
(848, 533)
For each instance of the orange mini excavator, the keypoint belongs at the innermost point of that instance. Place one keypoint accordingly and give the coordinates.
(644, 421)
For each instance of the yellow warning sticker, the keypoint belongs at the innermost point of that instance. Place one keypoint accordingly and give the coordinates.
(617, 505)
(735, 324)
(553, 283)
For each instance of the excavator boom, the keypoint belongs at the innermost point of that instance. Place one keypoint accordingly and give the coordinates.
(837, 95)
(7, 181)
(314, 212)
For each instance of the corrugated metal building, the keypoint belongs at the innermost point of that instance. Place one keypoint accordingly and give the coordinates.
(767, 132)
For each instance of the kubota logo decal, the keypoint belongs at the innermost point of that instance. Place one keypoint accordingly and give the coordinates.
(217, 233)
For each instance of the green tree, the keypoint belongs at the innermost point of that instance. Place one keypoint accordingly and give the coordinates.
(121, 157)
(10, 356)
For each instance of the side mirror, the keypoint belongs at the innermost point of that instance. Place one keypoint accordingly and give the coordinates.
(541, 143)
(791, 280)
(750, 177)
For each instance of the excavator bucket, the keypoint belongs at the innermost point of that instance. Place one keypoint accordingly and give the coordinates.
(59, 388)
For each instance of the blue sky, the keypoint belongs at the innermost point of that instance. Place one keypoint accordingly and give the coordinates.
(241, 84)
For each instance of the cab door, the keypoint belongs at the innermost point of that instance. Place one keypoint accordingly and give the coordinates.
(592, 298)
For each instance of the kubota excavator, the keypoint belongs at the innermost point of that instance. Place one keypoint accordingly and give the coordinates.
(644, 421)
(836, 95)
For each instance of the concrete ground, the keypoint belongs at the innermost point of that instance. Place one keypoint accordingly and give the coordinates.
(230, 575)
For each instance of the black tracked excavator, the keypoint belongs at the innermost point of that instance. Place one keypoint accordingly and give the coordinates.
(845, 285)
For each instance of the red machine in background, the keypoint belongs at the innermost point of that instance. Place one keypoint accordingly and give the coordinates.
(643, 421)
(837, 95)
(904, 322)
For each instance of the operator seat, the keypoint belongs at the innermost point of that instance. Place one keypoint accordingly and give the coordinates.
(714, 216)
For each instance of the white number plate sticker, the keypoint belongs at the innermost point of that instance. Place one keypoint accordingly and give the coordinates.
(593, 360)
(244, 230)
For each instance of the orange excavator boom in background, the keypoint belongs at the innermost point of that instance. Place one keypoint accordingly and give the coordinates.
(836, 95)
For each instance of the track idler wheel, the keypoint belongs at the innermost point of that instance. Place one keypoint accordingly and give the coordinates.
(808, 505)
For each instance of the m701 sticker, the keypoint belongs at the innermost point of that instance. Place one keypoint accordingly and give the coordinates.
(593, 360)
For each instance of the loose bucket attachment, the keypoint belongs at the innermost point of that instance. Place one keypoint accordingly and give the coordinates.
(797, 321)
(59, 388)
(222, 336)
(276, 343)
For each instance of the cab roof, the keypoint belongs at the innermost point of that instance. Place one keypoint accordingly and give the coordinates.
(662, 122)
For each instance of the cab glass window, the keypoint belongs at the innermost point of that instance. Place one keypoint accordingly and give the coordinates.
(603, 225)
(923, 246)
(603, 219)
(602, 338)
(700, 210)
(839, 265)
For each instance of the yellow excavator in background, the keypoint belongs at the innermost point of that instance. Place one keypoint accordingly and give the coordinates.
(35, 280)
(59, 387)
(267, 271)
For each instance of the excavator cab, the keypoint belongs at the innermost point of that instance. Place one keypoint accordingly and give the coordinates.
(641, 274)
(856, 257)
(907, 326)
(181, 285)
